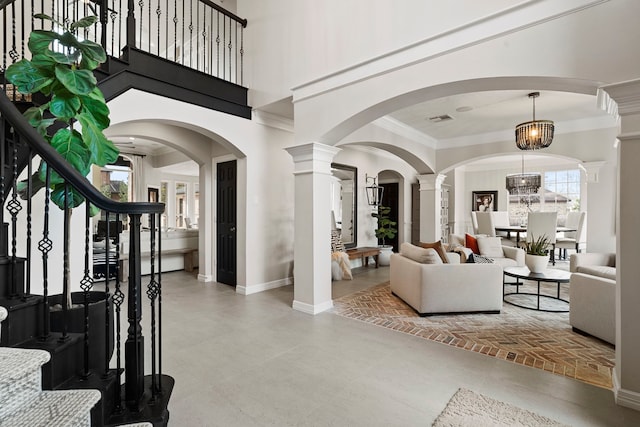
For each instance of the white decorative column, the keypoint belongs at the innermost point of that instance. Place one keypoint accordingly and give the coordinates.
(430, 200)
(206, 223)
(626, 378)
(312, 227)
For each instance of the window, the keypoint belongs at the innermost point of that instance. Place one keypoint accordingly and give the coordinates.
(181, 205)
(562, 192)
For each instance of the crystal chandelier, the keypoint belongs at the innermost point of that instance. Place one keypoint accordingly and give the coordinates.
(523, 183)
(535, 134)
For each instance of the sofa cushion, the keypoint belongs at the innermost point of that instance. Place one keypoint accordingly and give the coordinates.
(438, 248)
(598, 271)
(471, 243)
(479, 259)
(421, 255)
(505, 262)
(490, 247)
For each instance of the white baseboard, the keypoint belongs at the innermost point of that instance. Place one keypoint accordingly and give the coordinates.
(205, 278)
(626, 398)
(252, 289)
(312, 309)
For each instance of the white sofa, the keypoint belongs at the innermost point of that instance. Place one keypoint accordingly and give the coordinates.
(592, 293)
(507, 256)
(446, 288)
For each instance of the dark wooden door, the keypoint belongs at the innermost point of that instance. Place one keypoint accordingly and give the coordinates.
(391, 199)
(226, 223)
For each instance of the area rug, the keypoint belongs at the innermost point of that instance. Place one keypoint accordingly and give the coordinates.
(467, 408)
(532, 338)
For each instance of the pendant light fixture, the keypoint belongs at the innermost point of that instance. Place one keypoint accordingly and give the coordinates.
(535, 134)
(374, 191)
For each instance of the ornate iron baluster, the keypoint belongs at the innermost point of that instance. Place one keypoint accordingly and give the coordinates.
(241, 56)
(86, 284)
(175, 30)
(118, 299)
(141, 4)
(159, 15)
(45, 245)
(14, 207)
(29, 225)
(218, 46)
(65, 263)
(190, 32)
(159, 301)
(152, 294)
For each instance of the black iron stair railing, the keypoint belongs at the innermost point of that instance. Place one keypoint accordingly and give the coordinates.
(197, 34)
(138, 391)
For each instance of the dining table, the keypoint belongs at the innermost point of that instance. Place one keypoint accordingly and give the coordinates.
(523, 229)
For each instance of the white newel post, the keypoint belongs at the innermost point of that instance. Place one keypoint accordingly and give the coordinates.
(626, 378)
(312, 227)
(430, 200)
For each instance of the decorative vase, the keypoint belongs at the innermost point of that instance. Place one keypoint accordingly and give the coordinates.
(536, 263)
(385, 254)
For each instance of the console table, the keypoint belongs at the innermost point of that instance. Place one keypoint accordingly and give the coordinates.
(364, 254)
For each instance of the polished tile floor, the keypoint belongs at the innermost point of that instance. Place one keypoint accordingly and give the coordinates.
(253, 361)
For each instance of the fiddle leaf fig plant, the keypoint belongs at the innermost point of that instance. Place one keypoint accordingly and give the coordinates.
(386, 227)
(61, 68)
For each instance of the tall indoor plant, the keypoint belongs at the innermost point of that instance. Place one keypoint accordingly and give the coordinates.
(386, 229)
(74, 115)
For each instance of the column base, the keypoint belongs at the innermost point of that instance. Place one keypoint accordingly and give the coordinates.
(312, 309)
(627, 398)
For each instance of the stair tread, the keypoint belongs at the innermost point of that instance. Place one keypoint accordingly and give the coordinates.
(55, 408)
(16, 362)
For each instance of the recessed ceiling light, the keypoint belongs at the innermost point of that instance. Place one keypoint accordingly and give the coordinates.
(131, 138)
(464, 109)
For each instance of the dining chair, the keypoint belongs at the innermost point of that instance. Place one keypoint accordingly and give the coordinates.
(500, 219)
(485, 223)
(474, 222)
(573, 239)
(543, 224)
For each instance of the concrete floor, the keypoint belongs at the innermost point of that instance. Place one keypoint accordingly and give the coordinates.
(254, 361)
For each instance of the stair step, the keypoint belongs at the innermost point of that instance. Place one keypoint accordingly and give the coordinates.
(20, 377)
(55, 409)
(24, 320)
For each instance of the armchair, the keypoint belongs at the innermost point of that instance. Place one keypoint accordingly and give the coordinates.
(592, 292)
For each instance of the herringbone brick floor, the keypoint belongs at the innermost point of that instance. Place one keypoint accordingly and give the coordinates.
(531, 338)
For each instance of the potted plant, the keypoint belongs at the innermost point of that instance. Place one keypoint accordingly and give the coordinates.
(74, 114)
(72, 118)
(537, 256)
(386, 230)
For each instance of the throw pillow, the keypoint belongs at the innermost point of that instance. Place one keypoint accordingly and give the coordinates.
(336, 242)
(471, 243)
(438, 248)
(490, 247)
(479, 259)
(418, 254)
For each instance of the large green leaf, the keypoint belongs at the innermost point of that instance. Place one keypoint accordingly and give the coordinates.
(103, 152)
(74, 198)
(92, 51)
(64, 105)
(39, 40)
(62, 58)
(27, 77)
(80, 82)
(45, 64)
(95, 105)
(35, 118)
(87, 21)
(70, 145)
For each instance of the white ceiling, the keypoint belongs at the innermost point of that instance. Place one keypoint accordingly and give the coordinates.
(493, 111)
(472, 114)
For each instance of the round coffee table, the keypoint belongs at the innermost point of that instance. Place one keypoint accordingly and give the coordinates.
(550, 275)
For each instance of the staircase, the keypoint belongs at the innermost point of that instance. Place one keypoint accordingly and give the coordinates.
(24, 403)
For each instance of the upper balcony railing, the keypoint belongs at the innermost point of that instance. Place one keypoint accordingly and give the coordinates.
(194, 33)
